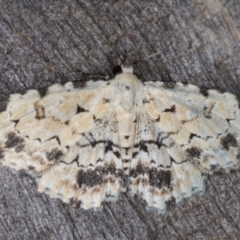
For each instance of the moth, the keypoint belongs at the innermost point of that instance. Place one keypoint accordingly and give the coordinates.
(87, 144)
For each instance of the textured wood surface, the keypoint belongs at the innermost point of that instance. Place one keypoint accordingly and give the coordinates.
(44, 42)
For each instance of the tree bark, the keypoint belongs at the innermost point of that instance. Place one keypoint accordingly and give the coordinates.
(45, 42)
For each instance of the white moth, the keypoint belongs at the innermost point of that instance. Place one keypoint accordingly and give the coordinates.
(86, 145)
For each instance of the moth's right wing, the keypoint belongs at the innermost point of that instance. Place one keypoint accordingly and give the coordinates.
(182, 133)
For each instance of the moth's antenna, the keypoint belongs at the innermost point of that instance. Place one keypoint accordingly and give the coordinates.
(153, 55)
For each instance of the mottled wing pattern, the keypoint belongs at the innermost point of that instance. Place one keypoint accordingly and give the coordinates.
(67, 139)
(82, 144)
(183, 132)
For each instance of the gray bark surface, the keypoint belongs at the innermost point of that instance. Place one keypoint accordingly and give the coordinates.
(45, 42)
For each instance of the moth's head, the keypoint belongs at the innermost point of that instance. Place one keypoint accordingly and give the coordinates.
(119, 69)
(124, 76)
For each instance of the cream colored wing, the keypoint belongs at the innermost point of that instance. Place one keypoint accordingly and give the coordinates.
(67, 139)
(182, 132)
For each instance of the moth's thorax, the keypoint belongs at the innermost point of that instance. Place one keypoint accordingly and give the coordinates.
(125, 88)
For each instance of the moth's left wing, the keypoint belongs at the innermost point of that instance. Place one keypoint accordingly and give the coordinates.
(67, 139)
(182, 131)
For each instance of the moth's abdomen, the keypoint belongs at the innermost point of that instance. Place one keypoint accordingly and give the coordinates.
(126, 131)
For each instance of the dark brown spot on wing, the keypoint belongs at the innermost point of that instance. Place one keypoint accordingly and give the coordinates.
(143, 146)
(1, 153)
(172, 109)
(160, 178)
(193, 152)
(90, 178)
(106, 100)
(15, 122)
(98, 121)
(109, 148)
(228, 141)
(80, 110)
(40, 111)
(14, 141)
(145, 101)
(55, 154)
(31, 168)
(99, 160)
(158, 119)
(95, 177)
(112, 170)
(207, 111)
(157, 178)
(139, 170)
